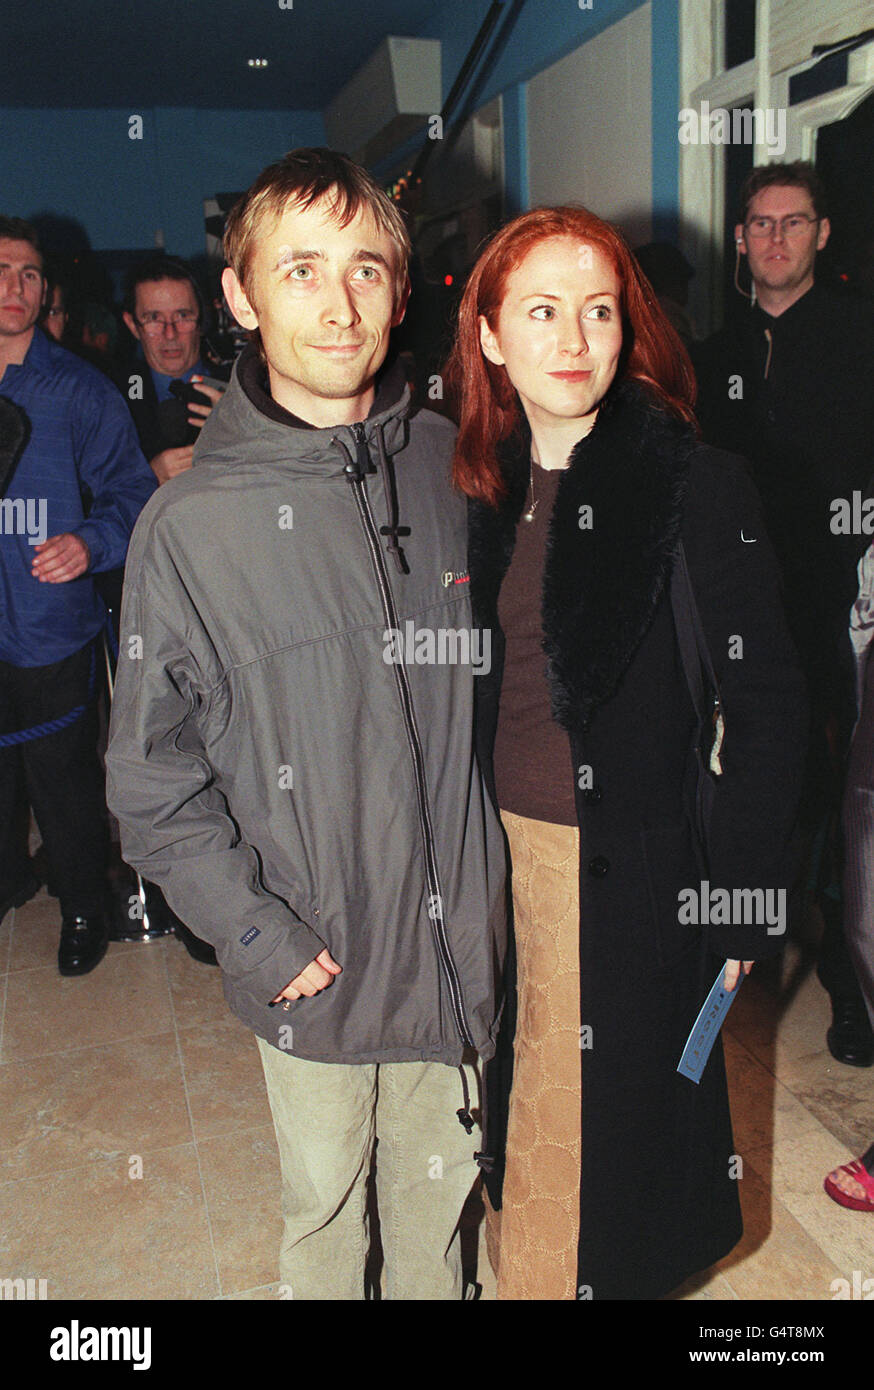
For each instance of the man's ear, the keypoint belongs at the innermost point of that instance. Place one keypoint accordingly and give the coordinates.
(401, 309)
(824, 233)
(238, 300)
(489, 343)
(739, 241)
(132, 324)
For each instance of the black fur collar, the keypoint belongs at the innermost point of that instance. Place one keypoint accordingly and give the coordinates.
(602, 581)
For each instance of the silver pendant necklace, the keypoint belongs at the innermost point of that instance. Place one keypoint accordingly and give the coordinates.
(529, 514)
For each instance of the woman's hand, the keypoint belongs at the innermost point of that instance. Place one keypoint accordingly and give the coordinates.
(732, 973)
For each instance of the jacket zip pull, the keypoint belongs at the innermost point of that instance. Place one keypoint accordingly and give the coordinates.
(363, 463)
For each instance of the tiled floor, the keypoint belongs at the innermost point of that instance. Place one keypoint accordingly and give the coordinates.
(137, 1154)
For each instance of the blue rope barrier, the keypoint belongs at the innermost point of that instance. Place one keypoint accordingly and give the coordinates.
(52, 726)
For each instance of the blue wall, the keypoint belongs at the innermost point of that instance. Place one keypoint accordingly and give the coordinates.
(665, 105)
(82, 164)
(543, 32)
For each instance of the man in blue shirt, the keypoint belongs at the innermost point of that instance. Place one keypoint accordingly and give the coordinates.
(68, 511)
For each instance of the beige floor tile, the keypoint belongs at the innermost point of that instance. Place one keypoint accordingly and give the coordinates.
(96, 1232)
(711, 1286)
(839, 1097)
(782, 1013)
(243, 1194)
(5, 941)
(223, 1078)
(93, 1103)
(195, 988)
(764, 1112)
(796, 1173)
(35, 931)
(777, 1258)
(125, 996)
(269, 1293)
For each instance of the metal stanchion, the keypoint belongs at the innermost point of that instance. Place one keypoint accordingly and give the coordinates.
(140, 926)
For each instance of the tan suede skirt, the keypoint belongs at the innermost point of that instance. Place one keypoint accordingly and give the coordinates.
(532, 1241)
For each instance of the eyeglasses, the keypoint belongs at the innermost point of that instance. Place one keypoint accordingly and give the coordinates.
(183, 320)
(793, 225)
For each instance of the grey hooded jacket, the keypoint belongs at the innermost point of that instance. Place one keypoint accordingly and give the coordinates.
(291, 753)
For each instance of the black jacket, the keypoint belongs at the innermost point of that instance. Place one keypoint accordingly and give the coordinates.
(795, 396)
(161, 424)
(657, 1198)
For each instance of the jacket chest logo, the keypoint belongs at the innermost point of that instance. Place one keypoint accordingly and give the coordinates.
(450, 577)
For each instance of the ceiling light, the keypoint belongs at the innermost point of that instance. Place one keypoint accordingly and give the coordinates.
(257, 62)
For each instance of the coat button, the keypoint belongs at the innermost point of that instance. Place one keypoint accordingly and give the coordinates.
(598, 866)
(592, 795)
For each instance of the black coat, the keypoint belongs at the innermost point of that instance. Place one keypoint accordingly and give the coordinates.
(795, 395)
(659, 1197)
(163, 425)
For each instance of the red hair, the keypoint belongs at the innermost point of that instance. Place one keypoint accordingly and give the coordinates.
(488, 407)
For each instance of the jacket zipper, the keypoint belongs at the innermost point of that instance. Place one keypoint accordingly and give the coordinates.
(435, 897)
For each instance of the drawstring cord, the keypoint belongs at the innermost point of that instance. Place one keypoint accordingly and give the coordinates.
(465, 1119)
(393, 530)
(363, 464)
(483, 1160)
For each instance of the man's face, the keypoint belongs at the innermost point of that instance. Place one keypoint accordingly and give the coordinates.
(170, 348)
(777, 261)
(22, 287)
(325, 300)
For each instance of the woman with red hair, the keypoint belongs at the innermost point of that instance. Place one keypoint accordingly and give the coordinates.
(625, 577)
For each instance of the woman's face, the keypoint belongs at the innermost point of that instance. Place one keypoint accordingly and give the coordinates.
(559, 331)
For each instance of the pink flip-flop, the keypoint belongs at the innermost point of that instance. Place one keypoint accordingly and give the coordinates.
(856, 1170)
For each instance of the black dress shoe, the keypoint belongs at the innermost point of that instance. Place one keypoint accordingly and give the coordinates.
(83, 944)
(197, 949)
(850, 1038)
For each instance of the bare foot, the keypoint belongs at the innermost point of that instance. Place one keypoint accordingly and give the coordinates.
(847, 1183)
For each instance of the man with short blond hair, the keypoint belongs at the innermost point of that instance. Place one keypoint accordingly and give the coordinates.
(308, 804)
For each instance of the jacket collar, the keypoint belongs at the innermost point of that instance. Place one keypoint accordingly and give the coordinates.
(610, 545)
(243, 426)
(253, 378)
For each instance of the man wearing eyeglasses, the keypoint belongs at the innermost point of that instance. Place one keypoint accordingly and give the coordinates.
(164, 312)
(789, 383)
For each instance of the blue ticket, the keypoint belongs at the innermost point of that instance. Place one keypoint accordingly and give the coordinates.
(706, 1027)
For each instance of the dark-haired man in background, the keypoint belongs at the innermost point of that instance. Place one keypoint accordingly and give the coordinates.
(789, 383)
(69, 506)
(164, 310)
